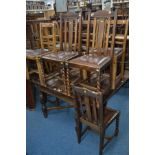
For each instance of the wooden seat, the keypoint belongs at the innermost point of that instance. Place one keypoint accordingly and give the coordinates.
(90, 61)
(94, 114)
(60, 56)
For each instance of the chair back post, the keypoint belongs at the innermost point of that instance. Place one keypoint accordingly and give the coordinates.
(80, 32)
(114, 33)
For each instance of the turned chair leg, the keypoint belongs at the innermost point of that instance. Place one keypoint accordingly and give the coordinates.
(101, 145)
(117, 126)
(43, 100)
(78, 129)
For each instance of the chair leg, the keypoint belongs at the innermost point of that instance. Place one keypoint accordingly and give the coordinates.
(43, 100)
(117, 126)
(78, 129)
(57, 101)
(101, 145)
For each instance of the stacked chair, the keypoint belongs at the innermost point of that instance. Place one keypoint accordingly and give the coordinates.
(82, 63)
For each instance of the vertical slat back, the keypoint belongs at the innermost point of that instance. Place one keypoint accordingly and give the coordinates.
(85, 34)
(69, 30)
(102, 30)
(90, 104)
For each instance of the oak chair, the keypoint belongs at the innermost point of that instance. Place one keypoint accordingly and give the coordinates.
(58, 79)
(92, 112)
(117, 56)
(119, 47)
(33, 56)
(98, 62)
(69, 47)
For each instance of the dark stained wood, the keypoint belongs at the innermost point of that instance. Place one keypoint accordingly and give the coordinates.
(30, 98)
(97, 116)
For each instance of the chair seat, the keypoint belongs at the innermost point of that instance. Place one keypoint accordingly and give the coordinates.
(109, 115)
(36, 53)
(60, 56)
(117, 51)
(91, 61)
(56, 84)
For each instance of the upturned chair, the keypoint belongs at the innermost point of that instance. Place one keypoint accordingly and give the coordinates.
(98, 62)
(94, 114)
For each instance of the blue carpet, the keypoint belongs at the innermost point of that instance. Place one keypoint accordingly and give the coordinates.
(56, 134)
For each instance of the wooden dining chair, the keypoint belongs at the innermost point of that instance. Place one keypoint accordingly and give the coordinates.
(37, 45)
(92, 112)
(98, 62)
(119, 47)
(57, 79)
(69, 48)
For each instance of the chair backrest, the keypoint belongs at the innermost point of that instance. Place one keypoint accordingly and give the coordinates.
(35, 35)
(104, 32)
(121, 33)
(69, 30)
(85, 33)
(49, 36)
(90, 106)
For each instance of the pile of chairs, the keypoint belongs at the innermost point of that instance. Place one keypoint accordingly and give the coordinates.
(81, 60)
